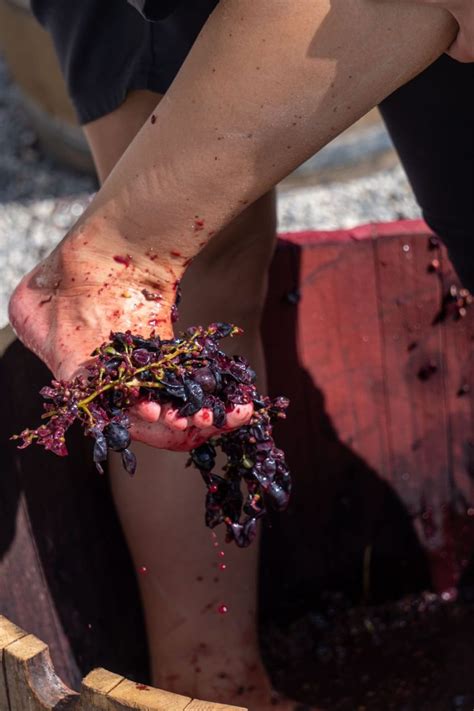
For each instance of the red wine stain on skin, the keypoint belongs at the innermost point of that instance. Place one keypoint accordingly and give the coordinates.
(151, 295)
(153, 118)
(175, 254)
(116, 313)
(143, 570)
(187, 262)
(125, 260)
(155, 321)
(78, 328)
(199, 224)
(142, 687)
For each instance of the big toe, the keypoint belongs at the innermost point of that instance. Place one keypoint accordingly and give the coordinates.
(148, 411)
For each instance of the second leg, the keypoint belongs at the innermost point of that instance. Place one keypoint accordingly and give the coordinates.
(195, 648)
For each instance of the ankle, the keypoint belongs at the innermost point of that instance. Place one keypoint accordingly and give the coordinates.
(97, 254)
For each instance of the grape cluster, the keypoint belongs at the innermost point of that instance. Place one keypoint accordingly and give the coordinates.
(190, 372)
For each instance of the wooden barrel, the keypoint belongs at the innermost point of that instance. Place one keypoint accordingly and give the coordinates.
(34, 67)
(362, 332)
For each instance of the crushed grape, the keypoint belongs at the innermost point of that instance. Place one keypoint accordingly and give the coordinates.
(191, 373)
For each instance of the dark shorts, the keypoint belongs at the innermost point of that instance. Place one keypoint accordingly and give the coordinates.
(107, 49)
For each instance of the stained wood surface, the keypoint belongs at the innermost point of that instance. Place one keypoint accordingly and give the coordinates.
(28, 682)
(382, 459)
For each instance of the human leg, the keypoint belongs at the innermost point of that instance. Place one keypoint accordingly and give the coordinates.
(431, 121)
(193, 648)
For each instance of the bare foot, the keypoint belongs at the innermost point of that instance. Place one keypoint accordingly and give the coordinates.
(224, 685)
(88, 287)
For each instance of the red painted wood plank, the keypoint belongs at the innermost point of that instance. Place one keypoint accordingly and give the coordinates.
(372, 230)
(371, 394)
(409, 298)
(340, 343)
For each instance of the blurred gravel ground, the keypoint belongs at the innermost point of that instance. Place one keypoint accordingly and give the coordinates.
(40, 201)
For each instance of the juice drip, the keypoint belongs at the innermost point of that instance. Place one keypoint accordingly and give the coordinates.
(222, 608)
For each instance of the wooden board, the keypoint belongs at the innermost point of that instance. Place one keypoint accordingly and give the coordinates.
(28, 682)
(9, 633)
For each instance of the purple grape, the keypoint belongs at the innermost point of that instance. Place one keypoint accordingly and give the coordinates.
(278, 496)
(206, 379)
(129, 461)
(194, 398)
(218, 412)
(269, 466)
(117, 436)
(100, 448)
(223, 329)
(204, 457)
(141, 357)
